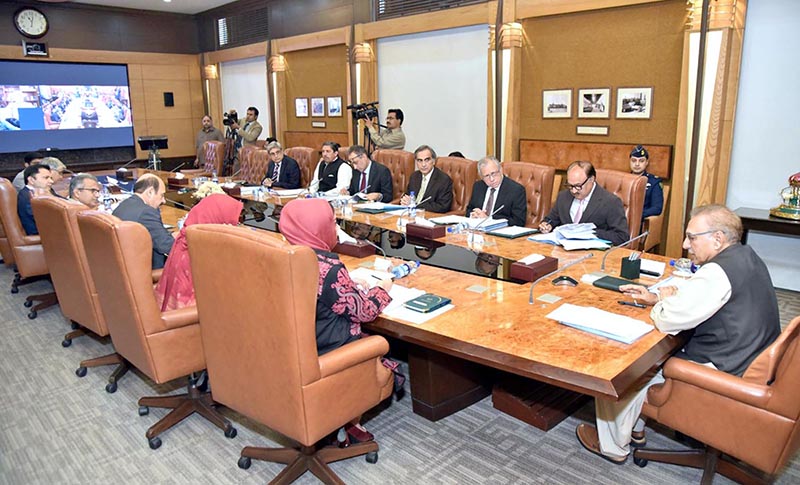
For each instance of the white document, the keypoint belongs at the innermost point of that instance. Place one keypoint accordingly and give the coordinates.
(451, 219)
(574, 244)
(531, 258)
(288, 192)
(652, 266)
(512, 231)
(372, 277)
(401, 294)
(600, 322)
(343, 237)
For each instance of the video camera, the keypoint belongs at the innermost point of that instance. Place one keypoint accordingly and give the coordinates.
(365, 111)
(230, 118)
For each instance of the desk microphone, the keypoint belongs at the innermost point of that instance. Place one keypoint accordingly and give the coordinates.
(234, 174)
(130, 162)
(408, 209)
(374, 246)
(361, 191)
(571, 263)
(603, 264)
(176, 168)
(489, 217)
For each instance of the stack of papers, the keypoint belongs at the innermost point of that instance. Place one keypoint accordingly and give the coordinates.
(600, 322)
(288, 192)
(472, 223)
(377, 207)
(573, 236)
(513, 232)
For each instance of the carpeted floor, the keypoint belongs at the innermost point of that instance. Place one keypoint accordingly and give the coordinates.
(58, 428)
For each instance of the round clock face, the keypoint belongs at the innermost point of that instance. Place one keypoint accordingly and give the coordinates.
(30, 22)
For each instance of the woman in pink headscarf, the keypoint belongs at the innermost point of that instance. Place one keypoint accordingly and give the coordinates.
(175, 288)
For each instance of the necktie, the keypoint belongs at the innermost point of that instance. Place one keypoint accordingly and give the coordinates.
(422, 189)
(579, 213)
(276, 172)
(489, 203)
(363, 185)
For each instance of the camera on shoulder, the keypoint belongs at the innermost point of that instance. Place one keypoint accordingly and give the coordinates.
(364, 111)
(230, 118)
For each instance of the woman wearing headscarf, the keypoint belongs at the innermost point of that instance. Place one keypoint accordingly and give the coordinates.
(342, 303)
(175, 289)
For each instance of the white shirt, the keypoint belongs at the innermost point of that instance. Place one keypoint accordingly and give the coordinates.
(343, 177)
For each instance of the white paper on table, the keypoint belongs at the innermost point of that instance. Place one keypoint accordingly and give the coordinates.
(343, 237)
(401, 294)
(654, 266)
(371, 276)
(600, 322)
(451, 219)
(289, 192)
(582, 230)
(411, 316)
(573, 244)
(512, 231)
(531, 258)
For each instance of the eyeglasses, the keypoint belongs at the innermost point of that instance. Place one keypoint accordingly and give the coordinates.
(274, 153)
(354, 158)
(491, 175)
(577, 186)
(93, 191)
(691, 237)
(424, 160)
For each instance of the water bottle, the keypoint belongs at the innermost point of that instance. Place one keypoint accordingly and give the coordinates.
(105, 195)
(412, 206)
(404, 269)
(214, 177)
(458, 228)
(261, 194)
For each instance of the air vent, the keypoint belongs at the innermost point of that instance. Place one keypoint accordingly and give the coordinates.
(243, 28)
(387, 9)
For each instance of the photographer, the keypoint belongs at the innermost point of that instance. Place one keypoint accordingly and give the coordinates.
(248, 134)
(393, 136)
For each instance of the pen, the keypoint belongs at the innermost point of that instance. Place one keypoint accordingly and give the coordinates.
(631, 303)
(649, 273)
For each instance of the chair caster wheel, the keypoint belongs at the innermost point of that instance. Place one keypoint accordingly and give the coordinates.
(640, 462)
(372, 457)
(32, 314)
(231, 432)
(245, 462)
(144, 410)
(14, 290)
(111, 388)
(155, 443)
(80, 371)
(66, 342)
(28, 303)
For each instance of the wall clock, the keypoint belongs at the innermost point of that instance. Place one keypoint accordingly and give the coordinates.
(31, 22)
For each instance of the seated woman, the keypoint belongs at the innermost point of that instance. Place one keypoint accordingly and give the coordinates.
(175, 289)
(342, 303)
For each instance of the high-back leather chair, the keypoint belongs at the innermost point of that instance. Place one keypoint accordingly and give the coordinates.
(214, 157)
(655, 225)
(254, 169)
(401, 164)
(266, 366)
(246, 154)
(753, 418)
(344, 153)
(463, 173)
(5, 248)
(630, 188)
(538, 183)
(307, 160)
(163, 346)
(28, 253)
(72, 279)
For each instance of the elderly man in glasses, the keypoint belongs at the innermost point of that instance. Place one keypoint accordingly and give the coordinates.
(85, 188)
(584, 200)
(495, 194)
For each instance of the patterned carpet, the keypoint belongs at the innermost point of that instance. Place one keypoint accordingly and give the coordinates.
(58, 428)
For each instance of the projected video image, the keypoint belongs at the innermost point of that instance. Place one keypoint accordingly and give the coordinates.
(48, 107)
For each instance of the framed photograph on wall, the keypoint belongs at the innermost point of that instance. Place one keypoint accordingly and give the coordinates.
(557, 103)
(301, 107)
(334, 106)
(594, 103)
(318, 107)
(634, 103)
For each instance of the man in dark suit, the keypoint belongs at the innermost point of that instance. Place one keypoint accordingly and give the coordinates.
(585, 201)
(142, 207)
(37, 183)
(369, 176)
(429, 183)
(282, 172)
(494, 192)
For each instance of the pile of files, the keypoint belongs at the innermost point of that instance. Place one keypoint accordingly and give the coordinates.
(573, 236)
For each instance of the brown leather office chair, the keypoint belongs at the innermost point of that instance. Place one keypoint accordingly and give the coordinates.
(266, 365)
(307, 160)
(246, 154)
(753, 418)
(655, 224)
(69, 270)
(344, 153)
(5, 248)
(254, 169)
(163, 346)
(28, 254)
(401, 164)
(630, 188)
(463, 173)
(538, 183)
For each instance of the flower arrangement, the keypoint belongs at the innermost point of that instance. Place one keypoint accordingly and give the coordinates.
(207, 188)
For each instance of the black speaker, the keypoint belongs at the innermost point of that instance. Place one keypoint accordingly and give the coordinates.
(169, 99)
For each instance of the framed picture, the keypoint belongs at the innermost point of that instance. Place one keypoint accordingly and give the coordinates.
(634, 103)
(318, 107)
(301, 107)
(557, 103)
(334, 106)
(594, 103)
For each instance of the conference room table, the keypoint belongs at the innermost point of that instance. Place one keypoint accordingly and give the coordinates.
(493, 338)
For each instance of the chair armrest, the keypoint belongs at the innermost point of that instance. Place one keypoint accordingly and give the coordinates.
(712, 380)
(347, 356)
(32, 240)
(157, 274)
(180, 317)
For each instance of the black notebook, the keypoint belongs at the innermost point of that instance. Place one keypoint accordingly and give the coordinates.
(426, 303)
(612, 283)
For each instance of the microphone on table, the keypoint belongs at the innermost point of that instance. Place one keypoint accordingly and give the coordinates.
(130, 162)
(374, 246)
(176, 168)
(489, 216)
(571, 263)
(603, 264)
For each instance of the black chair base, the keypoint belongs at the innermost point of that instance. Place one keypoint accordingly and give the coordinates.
(46, 300)
(183, 406)
(308, 458)
(19, 280)
(710, 460)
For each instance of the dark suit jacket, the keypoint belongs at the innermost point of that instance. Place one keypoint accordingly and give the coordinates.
(289, 178)
(379, 180)
(25, 211)
(510, 195)
(134, 209)
(439, 189)
(605, 210)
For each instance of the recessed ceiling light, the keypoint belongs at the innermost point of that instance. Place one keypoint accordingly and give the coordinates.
(167, 1)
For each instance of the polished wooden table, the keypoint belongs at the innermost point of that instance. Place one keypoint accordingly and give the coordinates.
(760, 220)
